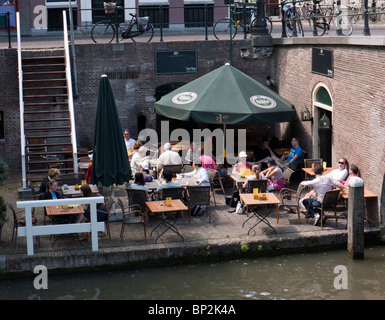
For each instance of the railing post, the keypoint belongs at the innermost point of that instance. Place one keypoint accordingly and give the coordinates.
(356, 212)
(338, 26)
(315, 32)
(206, 22)
(283, 35)
(161, 22)
(295, 33)
(366, 22)
(261, 26)
(244, 17)
(8, 22)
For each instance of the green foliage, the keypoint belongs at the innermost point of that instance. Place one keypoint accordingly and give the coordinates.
(3, 171)
(3, 212)
(3, 205)
(245, 247)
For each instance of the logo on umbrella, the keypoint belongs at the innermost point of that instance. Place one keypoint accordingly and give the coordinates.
(184, 97)
(263, 102)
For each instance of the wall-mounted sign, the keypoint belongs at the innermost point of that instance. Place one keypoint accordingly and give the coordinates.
(177, 61)
(322, 62)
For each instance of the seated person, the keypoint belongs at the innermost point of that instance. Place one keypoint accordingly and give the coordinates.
(353, 172)
(52, 174)
(101, 213)
(242, 164)
(293, 158)
(192, 153)
(52, 193)
(321, 184)
(253, 176)
(140, 161)
(274, 174)
(199, 174)
(262, 153)
(135, 148)
(167, 175)
(168, 157)
(140, 183)
(128, 140)
(342, 171)
(209, 163)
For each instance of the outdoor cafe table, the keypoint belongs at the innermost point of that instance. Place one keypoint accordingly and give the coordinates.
(310, 171)
(160, 207)
(69, 191)
(248, 200)
(66, 210)
(367, 195)
(237, 180)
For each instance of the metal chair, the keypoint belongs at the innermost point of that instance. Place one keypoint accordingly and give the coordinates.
(211, 174)
(132, 214)
(174, 168)
(187, 168)
(20, 222)
(198, 195)
(218, 179)
(69, 178)
(137, 197)
(291, 198)
(287, 174)
(329, 204)
(173, 193)
(307, 163)
(260, 184)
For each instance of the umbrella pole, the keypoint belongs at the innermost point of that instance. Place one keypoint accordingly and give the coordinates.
(113, 197)
(231, 36)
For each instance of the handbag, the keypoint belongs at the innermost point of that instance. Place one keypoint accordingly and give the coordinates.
(239, 208)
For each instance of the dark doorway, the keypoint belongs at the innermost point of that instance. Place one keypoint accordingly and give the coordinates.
(174, 124)
(325, 139)
(55, 19)
(99, 14)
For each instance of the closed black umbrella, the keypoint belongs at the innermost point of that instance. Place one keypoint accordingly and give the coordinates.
(110, 163)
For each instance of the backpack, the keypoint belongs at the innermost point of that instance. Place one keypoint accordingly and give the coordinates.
(233, 199)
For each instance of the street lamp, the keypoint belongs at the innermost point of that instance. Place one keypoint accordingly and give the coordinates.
(306, 115)
(324, 122)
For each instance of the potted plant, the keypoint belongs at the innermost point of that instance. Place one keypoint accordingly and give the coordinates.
(3, 205)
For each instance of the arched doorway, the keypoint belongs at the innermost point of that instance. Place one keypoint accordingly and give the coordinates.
(322, 138)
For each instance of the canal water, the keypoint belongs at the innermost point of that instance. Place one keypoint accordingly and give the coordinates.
(323, 275)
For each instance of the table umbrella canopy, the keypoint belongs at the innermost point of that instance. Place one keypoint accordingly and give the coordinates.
(110, 161)
(225, 96)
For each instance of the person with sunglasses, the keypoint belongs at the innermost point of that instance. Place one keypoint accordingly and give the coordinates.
(127, 139)
(341, 173)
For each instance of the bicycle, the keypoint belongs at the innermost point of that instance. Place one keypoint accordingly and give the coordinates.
(221, 28)
(139, 28)
(290, 17)
(324, 18)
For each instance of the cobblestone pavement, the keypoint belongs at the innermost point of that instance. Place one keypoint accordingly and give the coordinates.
(224, 225)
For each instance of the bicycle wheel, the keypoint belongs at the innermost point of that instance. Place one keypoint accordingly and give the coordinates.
(321, 26)
(103, 32)
(221, 29)
(289, 25)
(345, 23)
(269, 25)
(357, 14)
(141, 36)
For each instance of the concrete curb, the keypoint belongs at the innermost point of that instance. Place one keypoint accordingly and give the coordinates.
(177, 252)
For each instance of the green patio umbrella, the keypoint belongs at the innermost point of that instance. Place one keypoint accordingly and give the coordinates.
(110, 163)
(225, 96)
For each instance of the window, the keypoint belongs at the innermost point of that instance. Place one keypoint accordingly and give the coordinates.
(154, 13)
(194, 15)
(2, 134)
(323, 96)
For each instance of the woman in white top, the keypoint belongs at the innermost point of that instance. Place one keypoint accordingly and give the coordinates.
(200, 174)
(139, 161)
(342, 172)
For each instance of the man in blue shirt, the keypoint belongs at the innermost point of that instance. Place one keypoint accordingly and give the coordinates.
(291, 159)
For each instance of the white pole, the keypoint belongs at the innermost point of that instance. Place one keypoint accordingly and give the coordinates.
(21, 102)
(70, 95)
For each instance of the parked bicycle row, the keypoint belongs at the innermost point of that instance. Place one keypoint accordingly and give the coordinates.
(321, 16)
